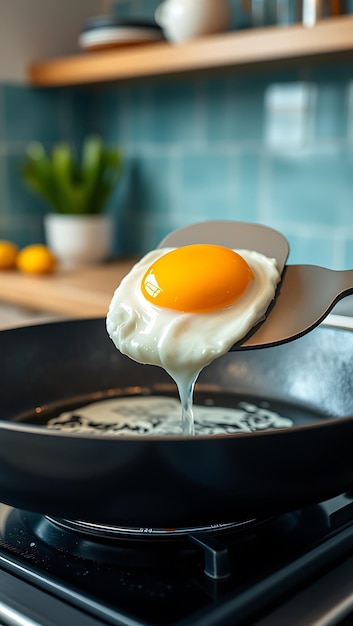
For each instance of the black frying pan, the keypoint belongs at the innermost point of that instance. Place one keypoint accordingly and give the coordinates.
(173, 481)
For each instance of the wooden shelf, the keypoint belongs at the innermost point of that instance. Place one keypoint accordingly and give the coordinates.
(232, 49)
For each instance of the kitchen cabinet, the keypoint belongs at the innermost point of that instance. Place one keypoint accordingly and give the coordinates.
(330, 37)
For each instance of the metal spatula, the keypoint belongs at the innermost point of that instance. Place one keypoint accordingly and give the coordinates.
(305, 296)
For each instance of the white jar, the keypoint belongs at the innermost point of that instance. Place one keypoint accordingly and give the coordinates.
(182, 20)
(79, 240)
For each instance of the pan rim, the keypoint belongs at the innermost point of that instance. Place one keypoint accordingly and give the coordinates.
(337, 322)
(34, 429)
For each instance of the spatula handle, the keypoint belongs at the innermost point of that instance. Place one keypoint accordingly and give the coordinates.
(344, 283)
(306, 296)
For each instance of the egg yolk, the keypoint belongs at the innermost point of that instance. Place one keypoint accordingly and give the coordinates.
(196, 278)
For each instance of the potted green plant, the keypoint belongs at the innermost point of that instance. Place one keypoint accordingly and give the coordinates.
(76, 191)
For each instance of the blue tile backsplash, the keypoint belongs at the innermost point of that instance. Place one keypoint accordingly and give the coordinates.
(271, 146)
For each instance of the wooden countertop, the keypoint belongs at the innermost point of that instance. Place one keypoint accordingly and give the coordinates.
(75, 293)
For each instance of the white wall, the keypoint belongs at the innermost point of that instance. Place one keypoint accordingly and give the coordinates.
(32, 30)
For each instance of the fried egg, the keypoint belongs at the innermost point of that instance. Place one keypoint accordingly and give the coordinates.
(181, 308)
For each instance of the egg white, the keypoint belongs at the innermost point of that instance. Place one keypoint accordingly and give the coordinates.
(184, 343)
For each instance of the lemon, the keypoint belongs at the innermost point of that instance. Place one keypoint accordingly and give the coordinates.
(36, 259)
(8, 254)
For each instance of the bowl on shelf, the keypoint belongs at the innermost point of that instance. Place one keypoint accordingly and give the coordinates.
(107, 32)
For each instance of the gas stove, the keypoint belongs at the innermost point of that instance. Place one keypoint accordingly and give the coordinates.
(291, 569)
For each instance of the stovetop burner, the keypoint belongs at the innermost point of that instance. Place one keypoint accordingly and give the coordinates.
(229, 575)
(116, 532)
(168, 548)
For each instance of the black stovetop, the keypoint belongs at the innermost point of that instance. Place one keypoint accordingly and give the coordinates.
(162, 581)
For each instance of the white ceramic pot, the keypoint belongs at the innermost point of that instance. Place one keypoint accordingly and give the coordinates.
(182, 20)
(79, 239)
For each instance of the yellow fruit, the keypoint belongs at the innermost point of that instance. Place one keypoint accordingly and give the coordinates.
(36, 259)
(8, 254)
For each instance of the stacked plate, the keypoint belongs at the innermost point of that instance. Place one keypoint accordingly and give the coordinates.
(105, 32)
